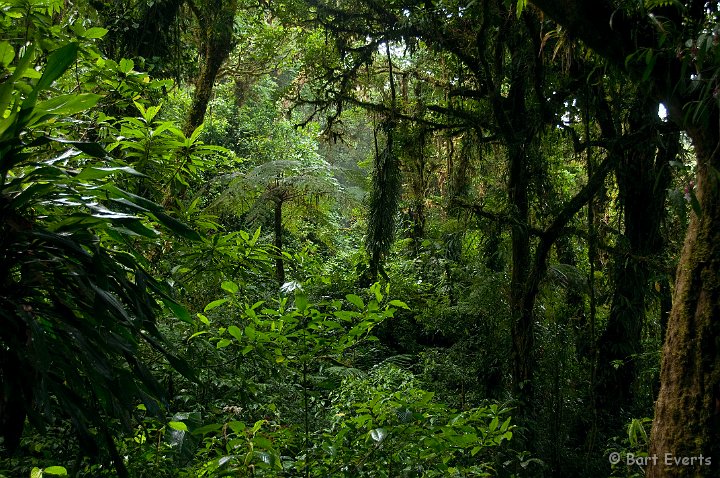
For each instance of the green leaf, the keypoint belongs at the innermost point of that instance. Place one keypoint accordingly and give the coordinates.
(236, 426)
(95, 32)
(255, 237)
(94, 172)
(223, 343)
(356, 301)
(203, 319)
(57, 63)
(62, 105)
(235, 332)
(179, 311)
(521, 5)
(214, 304)
(209, 428)
(505, 425)
(230, 286)
(7, 53)
(176, 226)
(399, 303)
(36, 473)
(375, 289)
(250, 332)
(126, 65)
(92, 149)
(195, 134)
(180, 426)
(171, 223)
(55, 470)
(301, 300)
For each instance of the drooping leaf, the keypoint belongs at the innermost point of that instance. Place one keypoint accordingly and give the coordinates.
(97, 172)
(57, 63)
(179, 311)
(356, 301)
(214, 304)
(378, 434)
(399, 303)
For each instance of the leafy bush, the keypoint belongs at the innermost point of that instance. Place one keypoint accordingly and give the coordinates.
(386, 425)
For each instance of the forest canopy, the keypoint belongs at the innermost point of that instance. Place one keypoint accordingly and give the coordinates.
(341, 239)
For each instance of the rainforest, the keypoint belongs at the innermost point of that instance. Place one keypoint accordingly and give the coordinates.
(331, 238)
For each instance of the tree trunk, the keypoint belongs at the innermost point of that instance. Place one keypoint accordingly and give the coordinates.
(643, 177)
(522, 316)
(216, 18)
(687, 411)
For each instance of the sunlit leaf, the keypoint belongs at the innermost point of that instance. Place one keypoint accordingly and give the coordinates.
(179, 311)
(95, 32)
(180, 426)
(215, 304)
(55, 471)
(7, 53)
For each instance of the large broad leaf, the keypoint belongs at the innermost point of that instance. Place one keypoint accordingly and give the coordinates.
(7, 54)
(63, 105)
(57, 63)
(179, 311)
(98, 172)
(133, 200)
(8, 87)
(92, 149)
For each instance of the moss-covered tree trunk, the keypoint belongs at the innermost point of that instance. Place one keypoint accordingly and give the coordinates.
(687, 411)
(216, 19)
(686, 424)
(512, 116)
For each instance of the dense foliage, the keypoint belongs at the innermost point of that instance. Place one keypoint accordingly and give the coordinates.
(309, 238)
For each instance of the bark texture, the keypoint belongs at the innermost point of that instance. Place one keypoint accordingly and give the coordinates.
(216, 18)
(686, 425)
(687, 411)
